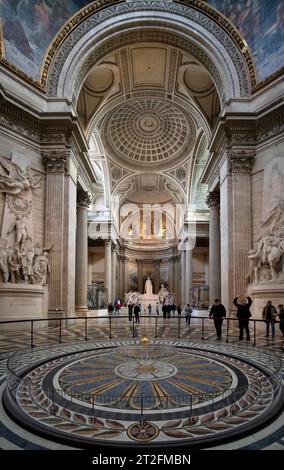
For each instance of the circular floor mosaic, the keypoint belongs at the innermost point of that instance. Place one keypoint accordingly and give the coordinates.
(161, 394)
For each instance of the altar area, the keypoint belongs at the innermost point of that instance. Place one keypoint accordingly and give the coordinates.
(148, 297)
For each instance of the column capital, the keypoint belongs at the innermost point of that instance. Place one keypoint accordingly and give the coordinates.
(55, 161)
(108, 242)
(83, 198)
(213, 199)
(241, 162)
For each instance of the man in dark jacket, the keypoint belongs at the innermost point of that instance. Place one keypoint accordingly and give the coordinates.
(218, 312)
(243, 314)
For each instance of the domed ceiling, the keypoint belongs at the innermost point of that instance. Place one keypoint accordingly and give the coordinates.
(148, 130)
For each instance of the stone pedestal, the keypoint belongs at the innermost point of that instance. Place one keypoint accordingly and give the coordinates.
(23, 301)
(145, 300)
(261, 293)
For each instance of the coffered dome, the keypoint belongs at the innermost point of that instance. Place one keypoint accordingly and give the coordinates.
(148, 130)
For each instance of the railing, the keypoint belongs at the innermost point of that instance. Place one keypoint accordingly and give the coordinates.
(63, 329)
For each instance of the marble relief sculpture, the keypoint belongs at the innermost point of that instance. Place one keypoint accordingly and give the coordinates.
(21, 232)
(27, 267)
(14, 179)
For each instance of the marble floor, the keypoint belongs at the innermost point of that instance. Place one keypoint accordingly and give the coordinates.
(98, 326)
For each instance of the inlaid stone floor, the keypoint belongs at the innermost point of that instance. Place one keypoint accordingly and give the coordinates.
(63, 397)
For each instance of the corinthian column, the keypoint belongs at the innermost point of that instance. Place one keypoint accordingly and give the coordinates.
(83, 201)
(107, 283)
(241, 164)
(188, 272)
(213, 202)
(140, 275)
(56, 165)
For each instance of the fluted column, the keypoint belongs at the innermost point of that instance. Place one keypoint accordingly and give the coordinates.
(114, 274)
(107, 282)
(188, 273)
(182, 276)
(213, 202)
(157, 275)
(56, 164)
(241, 164)
(140, 275)
(81, 292)
(122, 276)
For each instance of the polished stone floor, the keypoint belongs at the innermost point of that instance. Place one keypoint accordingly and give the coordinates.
(12, 436)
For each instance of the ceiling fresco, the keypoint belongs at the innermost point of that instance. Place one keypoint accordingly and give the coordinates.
(29, 26)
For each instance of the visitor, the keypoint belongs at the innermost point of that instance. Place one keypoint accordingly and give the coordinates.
(218, 313)
(110, 308)
(188, 312)
(243, 314)
(149, 309)
(158, 309)
(136, 313)
(117, 305)
(179, 310)
(130, 311)
(268, 315)
(164, 310)
(281, 318)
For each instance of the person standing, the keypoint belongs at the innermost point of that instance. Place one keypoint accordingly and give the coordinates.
(130, 311)
(188, 312)
(218, 313)
(281, 318)
(158, 309)
(179, 310)
(243, 314)
(136, 313)
(149, 309)
(268, 315)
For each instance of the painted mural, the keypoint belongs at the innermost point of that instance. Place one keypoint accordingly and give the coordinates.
(29, 26)
(261, 22)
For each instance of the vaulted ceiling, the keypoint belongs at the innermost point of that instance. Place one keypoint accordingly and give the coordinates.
(148, 108)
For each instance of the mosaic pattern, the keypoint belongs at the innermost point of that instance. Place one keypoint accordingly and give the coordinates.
(149, 130)
(205, 422)
(112, 383)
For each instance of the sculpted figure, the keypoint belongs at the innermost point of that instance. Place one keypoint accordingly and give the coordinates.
(148, 286)
(21, 232)
(4, 264)
(41, 268)
(27, 266)
(15, 264)
(254, 265)
(14, 180)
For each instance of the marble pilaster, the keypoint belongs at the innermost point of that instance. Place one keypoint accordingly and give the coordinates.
(81, 292)
(213, 202)
(108, 271)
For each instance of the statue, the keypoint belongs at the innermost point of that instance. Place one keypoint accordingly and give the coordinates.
(14, 180)
(254, 265)
(163, 293)
(15, 263)
(21, 232)
(148, 286)
(41, 268)
(27, 266)
(4, 264)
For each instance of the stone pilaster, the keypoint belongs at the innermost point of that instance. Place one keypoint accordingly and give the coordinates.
(108, 275)
(213, 202)
(157, 275)
(115, 292)
(140, 275)
(182, 276)
(56, 165)
(188, 273)
(240, 167)
(81, 292)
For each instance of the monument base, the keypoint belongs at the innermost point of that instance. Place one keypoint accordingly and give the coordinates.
(261, 293)
(145, 300)
(23, 301)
